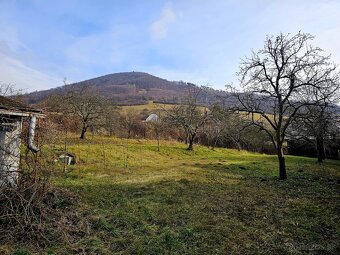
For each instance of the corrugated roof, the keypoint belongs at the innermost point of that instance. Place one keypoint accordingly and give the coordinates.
(10, 104)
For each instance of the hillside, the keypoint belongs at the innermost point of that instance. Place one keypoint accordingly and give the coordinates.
(140, 201)
(130, 88)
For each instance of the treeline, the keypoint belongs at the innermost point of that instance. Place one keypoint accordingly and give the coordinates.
(217, 125)
(86, 113)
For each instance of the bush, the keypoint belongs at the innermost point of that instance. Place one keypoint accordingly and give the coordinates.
(35, 212)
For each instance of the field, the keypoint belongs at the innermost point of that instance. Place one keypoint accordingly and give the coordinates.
(222, 201)
(158, 108)
(149, 107)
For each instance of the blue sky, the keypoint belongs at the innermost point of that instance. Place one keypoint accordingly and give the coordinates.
(41, 42)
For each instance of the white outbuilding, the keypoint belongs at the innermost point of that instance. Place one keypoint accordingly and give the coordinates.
(12, 114)
(152, 118)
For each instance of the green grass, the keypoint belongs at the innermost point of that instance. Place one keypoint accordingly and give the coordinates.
(150, 107)
(203, 202)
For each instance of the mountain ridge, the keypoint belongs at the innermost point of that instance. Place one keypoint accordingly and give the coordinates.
(131, 88)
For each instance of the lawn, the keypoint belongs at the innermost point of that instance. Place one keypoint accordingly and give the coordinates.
(222, 201)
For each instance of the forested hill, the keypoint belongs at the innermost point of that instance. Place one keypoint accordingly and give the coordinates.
(132, 88)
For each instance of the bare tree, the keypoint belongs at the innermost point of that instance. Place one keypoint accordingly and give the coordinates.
(157, 126)
(218, 123)
(84, 104)
(7, 89)
(276, 81)
(189, 116)
(111, 119)
(226, 125)
(131, 123)
(315, 123)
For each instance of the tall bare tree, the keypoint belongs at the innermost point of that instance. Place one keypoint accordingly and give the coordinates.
(276, 81)
(189, 116)
(84, 104)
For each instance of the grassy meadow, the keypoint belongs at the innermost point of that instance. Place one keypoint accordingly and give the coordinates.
(222, 201)
(149, 107)
(159, 108)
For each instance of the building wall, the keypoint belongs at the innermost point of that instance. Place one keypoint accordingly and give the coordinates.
(10, 130)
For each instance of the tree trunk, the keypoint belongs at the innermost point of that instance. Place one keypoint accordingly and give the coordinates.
(191, 142)
(282, 163)
(158, 140)
(238, 144)
(186, 141)
(191, 146)
(214, 143)
(320, 147)
(83, 131)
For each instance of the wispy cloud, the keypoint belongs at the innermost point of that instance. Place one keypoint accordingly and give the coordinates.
(15, 72)
(159, 28)
(13, 67)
